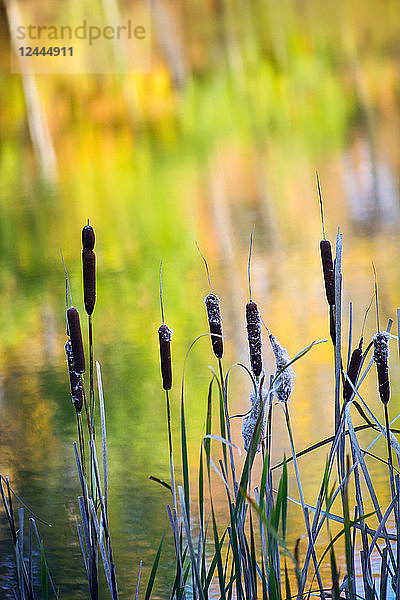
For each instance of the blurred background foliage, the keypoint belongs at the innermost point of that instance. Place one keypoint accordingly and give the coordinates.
(244, 101)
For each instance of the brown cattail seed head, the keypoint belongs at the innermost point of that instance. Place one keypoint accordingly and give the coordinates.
(352, 374)
(254, 337)
(75, 379)
(164, 337)
(88, 237)
(327, 267)
(250, 420)
(75, 334)
(284, 380)
(89, 279)
(215, 322)
(381, 355)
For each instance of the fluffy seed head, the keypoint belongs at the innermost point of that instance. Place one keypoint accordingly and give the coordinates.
(89, 279)
(75, 334)
(164, 337)
(215, 323)
(75, 379)
(250, 420)
(254, 337)
(88, 237)
(381, 346)
(284, 381)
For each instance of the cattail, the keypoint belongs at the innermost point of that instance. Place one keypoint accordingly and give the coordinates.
(75, 379)
(164, 336)
(352, 373)
(381, 355)
(327, 268)
(254, 337)
(215, 323)
(75, 334)
(326, 257)
(88, 237)
(284, 379)
(89, 279)
(250, 420)
(214, 315)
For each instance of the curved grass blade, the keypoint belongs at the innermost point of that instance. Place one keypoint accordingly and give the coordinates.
(154, 571)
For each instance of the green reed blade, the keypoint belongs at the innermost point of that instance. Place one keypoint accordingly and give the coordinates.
(154, 571)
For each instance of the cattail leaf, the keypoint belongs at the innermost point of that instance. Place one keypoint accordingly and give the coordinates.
(287, 584)
(75, 334)
(45, 587)
(103, 433)
(201, 491)
(138, 580)
(153, 571)
(50, 579)
(235, 552)
(104, 555)
(216, 561)
(19, 550)
(283, 486)
(252, 558)
(83, 550)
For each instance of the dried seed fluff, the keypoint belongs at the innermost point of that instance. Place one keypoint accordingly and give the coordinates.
(284, 381)
(381, 348)
(250, 420)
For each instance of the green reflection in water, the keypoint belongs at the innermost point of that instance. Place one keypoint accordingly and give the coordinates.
(310, 85)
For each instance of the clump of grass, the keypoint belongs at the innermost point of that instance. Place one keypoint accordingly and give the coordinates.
(246, 555)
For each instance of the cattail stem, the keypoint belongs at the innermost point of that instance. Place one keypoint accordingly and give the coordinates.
(91, 373)
(171, 454)
(221, 374)
(81, 442)
(389, 446)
